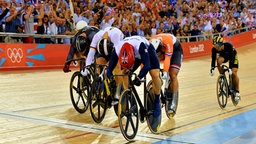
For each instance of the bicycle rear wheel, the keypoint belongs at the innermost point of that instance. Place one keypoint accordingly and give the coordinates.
(98, 101)
(128, 115)
(150, 99)
(79, 92)
(222, 91)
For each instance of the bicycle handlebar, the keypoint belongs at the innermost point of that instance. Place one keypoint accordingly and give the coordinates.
(76, 59)
(223, 67)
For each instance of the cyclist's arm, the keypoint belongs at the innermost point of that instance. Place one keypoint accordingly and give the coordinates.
(145, 60)
(90, 56)
(112, 64)
(213, 57)
(168, 54)
(232, 56)
(72, 51)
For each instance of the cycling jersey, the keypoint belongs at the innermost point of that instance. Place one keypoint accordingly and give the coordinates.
(228, 53)
(173, 51)
(144, 53)
(90, 31)
(114, 34)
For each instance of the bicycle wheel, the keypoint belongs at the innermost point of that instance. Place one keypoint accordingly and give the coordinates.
(128, 115)
(150, 99)
(222, 91)
(98, 102)
(79, 92)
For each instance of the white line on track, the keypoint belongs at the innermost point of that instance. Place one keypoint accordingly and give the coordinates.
(79, 126)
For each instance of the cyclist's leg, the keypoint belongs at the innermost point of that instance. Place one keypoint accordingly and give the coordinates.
(121, 81)
(172, 94)
(156, 80)
(156, 85)
(220, 60)
(235, 77)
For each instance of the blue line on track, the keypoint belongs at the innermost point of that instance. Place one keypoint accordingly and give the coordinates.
(238, 129)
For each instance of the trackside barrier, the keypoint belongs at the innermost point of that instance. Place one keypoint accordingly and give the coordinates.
(202, 48)
(53, 56)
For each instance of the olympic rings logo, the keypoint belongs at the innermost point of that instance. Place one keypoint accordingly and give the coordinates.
(15, 54)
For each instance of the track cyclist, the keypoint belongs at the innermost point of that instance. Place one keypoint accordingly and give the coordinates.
(169, 49)
(101, 46)
(80, 42)
(225, 52)
(131, 52)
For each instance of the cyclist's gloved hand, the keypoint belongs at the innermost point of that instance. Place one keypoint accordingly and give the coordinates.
(229, 71)
(212, 71)
(164, 75)
(112, 82)
(66, 68)
(84, 72)
(137, 81)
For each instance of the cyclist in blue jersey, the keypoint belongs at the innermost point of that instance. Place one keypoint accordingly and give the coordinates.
(131, 52)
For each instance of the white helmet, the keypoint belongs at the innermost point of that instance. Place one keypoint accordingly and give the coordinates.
(156, 42)
(81, 24)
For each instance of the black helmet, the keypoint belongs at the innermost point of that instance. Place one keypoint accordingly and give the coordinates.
(104, 47)
(217, 40)
(81, 43)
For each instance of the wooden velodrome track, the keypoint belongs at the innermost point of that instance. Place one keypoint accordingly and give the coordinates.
(35, 106)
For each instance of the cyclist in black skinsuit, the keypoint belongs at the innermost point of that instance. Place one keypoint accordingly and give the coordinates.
(80, 43)
(225, 52)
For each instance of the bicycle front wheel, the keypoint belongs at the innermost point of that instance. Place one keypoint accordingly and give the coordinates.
(222, 91)
(79, 91)
(128, 115)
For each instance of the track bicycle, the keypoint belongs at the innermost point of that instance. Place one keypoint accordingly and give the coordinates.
(102, 94)
(79, 87)
(128, 113)
(225, 88)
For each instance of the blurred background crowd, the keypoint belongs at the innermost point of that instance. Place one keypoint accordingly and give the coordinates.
(134, 17)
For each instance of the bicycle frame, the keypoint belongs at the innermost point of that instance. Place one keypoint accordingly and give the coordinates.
(143, 108)
(223, 94)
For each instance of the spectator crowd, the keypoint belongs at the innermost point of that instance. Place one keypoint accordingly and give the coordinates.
(133, 17)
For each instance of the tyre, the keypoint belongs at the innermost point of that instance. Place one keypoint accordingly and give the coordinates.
(79, 92)
(98, 101)
(222, 91)
(128, 116)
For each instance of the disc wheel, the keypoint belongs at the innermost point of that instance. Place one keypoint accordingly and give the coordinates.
(79, 92)
(222, 91)
(128, 115)
(98, 102)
